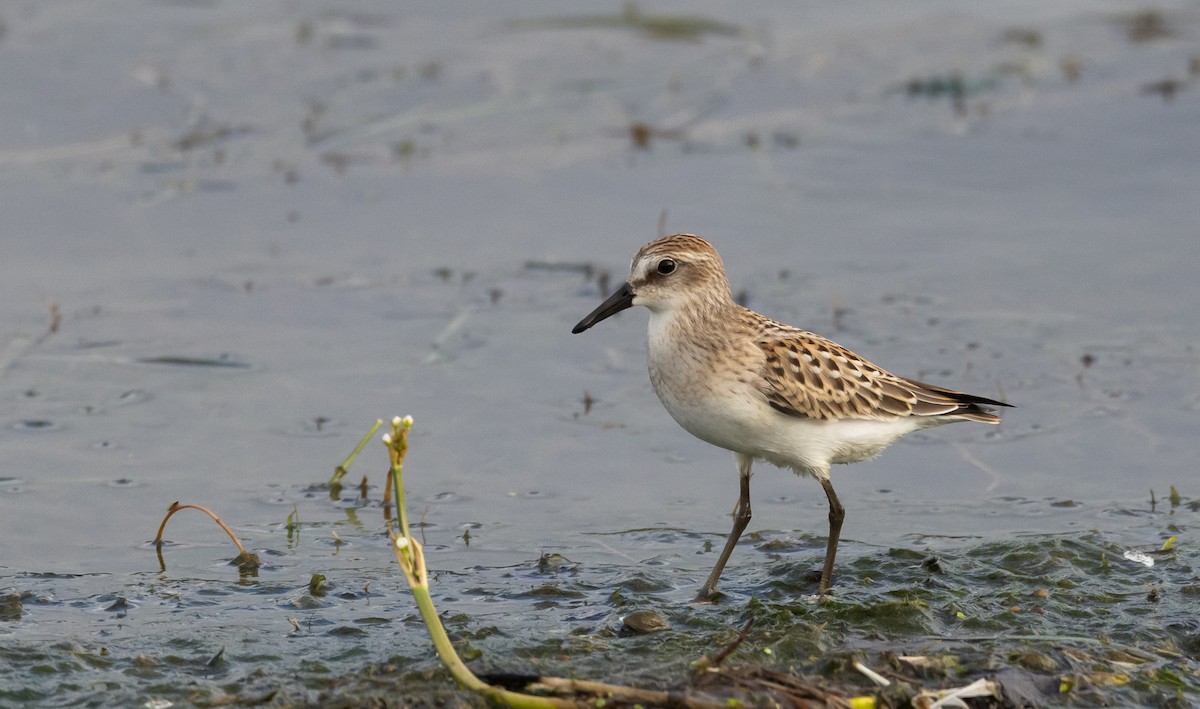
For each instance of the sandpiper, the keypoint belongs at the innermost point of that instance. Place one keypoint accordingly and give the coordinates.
(766, 390)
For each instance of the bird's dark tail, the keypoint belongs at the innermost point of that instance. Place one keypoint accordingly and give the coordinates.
(933, 400)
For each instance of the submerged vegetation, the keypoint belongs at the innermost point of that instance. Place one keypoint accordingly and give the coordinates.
(1020, 622)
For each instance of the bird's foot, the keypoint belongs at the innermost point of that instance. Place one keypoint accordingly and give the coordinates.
(824, 584)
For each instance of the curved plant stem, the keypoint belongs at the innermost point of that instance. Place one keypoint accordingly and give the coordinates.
(412, 561)
(245, 559)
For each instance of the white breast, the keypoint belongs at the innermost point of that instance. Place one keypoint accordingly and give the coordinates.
(707, 390)
(714, 394)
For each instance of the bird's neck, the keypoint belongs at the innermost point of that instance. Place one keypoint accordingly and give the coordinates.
(696, 323)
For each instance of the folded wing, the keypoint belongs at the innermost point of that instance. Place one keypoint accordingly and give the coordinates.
(808, 376)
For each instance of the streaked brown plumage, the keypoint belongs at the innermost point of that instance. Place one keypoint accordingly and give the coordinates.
(808, 376)
(767, 390)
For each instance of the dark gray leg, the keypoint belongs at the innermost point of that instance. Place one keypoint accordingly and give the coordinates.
(741, 517)
(837, 513)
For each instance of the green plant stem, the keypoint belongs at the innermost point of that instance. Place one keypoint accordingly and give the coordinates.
(340, 471)
(397, 444)
(412, 561)
(401, 508)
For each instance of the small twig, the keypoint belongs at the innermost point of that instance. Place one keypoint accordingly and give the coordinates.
(387, 499)
(954, 697)
(16, 347)
(652, 697)
(456, 323)
(55, 322)
(55, 319)
(872, 674)
(245, 559)
(741, 638)
(340, 471)
(421, 524)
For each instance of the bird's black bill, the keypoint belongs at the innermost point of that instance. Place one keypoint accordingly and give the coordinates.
(615, 303)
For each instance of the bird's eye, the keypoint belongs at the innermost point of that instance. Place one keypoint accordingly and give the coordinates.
(666, 266)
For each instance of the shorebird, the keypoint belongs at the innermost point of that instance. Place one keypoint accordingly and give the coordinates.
(765, 390)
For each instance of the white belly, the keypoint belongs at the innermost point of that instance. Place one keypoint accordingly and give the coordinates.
(717, 399)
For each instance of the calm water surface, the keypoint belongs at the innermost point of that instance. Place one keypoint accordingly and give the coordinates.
(258, 228)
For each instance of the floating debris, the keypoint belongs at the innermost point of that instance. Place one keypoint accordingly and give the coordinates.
(669, 27)
(1167, 88)
(1146, 26)
(185, 361)
(575, 267)
(1022, 35)
(204, 135)
(951, 85)
(1139, 557)
(1072, 66)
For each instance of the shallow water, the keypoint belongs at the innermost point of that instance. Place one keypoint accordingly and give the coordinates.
(263, 227)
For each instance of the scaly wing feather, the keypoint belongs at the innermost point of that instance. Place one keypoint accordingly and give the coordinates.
(808, 376)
